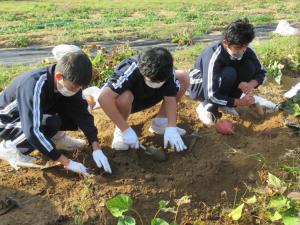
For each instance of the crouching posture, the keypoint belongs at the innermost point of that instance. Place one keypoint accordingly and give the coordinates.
(141, 82)
(224, 71)
(38, 106)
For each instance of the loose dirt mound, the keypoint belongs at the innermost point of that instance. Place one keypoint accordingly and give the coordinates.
(212, 164)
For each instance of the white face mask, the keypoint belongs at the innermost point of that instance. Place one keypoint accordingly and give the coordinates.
(65, 91)
(235, 56)
(154, 84)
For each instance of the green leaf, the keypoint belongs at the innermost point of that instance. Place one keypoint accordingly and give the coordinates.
(174, 224)
(278, 203)
(278, 78)
(251, 200)
(237, 212)
(290, 217)
(163, 204)
(295, 109)
(159, 221)
(169, 209)
(274, 217)
(275, 182)
(119, 204)
(292, 107)
(274, 69)
(126, 220)
(296, 98)
(183, 200)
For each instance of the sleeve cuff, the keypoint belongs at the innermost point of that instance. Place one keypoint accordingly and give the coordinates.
(93, 139)
(259, 81)
(54, 154)
(116, 90)
(230, 102)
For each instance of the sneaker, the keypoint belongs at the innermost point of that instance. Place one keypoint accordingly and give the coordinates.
(160, 128)
(204, 115)
(229, 110)
(64, 142)
(118, 143)
(14, 157)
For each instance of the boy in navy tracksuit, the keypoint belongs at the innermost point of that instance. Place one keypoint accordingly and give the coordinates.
(39, 105)
(141, 82)
(224, 71)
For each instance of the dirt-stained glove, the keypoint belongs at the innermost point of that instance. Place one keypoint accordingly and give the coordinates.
(77, 168)
(130, 138)
(173, 137)
(101, 160)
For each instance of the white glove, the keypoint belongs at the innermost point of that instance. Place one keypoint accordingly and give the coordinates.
(101, 160)
(171, 135)
(130, 138)
(77, 168)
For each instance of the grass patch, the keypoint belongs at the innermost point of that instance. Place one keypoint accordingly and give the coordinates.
(278, 58)
(9, 73)
(21, 41)
(144, 18)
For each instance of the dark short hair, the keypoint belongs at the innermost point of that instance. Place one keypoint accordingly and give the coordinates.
(76, 67)
(239, 32)
(156, 64)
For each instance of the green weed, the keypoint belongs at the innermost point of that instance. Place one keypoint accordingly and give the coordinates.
(183, 38)
(122, 203)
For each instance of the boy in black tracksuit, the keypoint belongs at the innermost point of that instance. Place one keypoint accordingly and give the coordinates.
(141, 82)
(37, 106)
(224, 71)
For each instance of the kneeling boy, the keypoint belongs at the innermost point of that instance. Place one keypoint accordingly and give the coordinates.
(38, 106)
(141, 82)
(224, 71)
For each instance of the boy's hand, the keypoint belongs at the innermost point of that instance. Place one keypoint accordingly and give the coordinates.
(77, 168)
(101, 160)
(173, 137)
(246, 87)
(245, 101)
(130, 138)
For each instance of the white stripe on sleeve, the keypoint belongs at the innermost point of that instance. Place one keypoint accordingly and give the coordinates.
(36, 113)
(124, 77)
(210, 78)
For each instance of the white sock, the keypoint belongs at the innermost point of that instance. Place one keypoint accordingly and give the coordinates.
(161, 121)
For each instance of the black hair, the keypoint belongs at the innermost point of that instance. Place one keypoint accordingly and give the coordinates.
(239, 32)
(156, 64)
(76, 67)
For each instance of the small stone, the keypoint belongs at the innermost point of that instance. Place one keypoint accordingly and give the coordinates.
(251, 176)
(149, 177)
(294, 195)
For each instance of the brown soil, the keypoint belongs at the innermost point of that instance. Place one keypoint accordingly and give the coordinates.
(214, 164)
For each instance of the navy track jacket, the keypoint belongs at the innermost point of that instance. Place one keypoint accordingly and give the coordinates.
(205, 77)
(32, 94)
